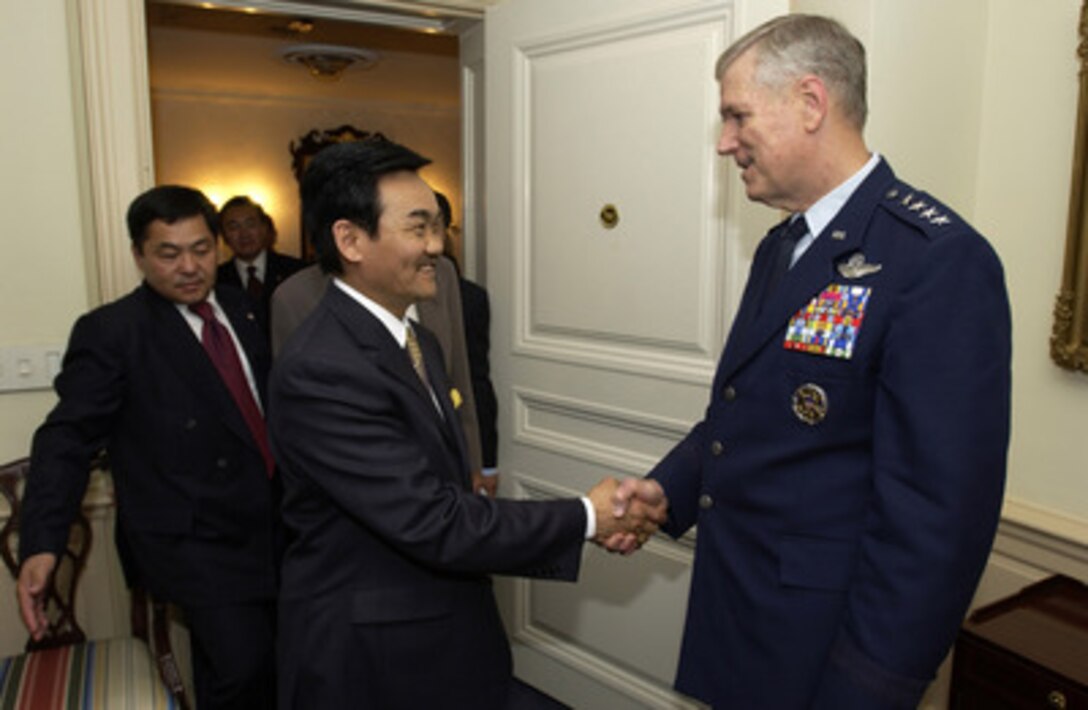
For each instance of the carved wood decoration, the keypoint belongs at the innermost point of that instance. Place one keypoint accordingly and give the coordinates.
(1069, 338)
(305, 148)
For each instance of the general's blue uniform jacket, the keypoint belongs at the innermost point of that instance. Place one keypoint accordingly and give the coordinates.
(847, 477)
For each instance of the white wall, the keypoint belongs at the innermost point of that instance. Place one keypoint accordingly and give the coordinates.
(43, 283)
(1022, 199)
(975, 102)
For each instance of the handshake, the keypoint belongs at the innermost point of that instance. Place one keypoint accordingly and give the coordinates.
(628, 512)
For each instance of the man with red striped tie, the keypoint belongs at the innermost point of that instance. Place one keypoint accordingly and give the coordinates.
(169, 380)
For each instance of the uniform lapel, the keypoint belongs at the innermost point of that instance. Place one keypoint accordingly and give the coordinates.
(814, 271)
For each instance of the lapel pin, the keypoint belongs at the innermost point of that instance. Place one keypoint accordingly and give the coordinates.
(838, 235)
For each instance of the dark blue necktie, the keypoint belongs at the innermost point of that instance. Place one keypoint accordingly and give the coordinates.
(785, 242)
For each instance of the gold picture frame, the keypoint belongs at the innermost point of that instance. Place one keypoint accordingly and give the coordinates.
(1069, 337)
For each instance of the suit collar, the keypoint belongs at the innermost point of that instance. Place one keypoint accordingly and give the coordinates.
(174, 339)
(375, 340)
(815, 269)
(374, 337)
(395, 326)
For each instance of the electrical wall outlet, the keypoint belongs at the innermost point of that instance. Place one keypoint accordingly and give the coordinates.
(29, 367)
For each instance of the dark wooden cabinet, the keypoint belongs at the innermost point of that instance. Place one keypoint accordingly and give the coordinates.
(1027, 651)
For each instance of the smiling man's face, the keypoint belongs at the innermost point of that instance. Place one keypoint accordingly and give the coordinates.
(398, 263)
(762, 130)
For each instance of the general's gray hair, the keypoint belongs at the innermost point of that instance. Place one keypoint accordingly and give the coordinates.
(791, 46)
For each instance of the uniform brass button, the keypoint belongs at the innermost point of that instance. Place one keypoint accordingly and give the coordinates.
(716, 448)
(729, 393)
(706, 502)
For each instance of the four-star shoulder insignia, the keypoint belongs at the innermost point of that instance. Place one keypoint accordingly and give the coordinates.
(921, 207)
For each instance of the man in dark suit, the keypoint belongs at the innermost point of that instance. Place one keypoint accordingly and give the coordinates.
(476, 310)
(385, 601)
(299, 295)
(197, 509)
(847, 477)
(254, 266)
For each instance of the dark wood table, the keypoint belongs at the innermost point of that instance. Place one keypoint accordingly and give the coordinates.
(1029, 650)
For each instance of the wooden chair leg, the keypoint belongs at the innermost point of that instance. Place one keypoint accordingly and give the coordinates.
(164, 653)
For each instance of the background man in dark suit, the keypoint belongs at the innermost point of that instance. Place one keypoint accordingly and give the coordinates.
(197, 510)
(476, 309)
(385, 601)
(847, 477)
(254, 266)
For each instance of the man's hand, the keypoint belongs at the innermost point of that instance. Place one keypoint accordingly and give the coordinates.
(635, 493)
(626, 518)
(34, 579)
(485, 485)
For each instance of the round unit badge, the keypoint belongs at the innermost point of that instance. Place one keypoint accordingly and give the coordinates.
(810, 403)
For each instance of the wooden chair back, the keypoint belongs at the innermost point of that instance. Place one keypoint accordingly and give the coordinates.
(149, 617)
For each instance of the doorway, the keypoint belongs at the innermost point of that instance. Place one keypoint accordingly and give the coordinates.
(232, 91)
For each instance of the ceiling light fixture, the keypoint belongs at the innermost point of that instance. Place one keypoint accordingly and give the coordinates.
(300, 26)
(328, 61)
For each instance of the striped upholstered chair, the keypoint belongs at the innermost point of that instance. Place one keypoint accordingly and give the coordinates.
(64, 669)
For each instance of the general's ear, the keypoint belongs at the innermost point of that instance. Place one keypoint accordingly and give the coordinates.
(814, 101)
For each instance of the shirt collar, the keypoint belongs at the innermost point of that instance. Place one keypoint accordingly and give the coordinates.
(216, 308)
(194, 321)
(824, 210)
(397, 327)
(260, 261)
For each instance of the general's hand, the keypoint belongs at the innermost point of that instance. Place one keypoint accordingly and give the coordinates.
(634, 493)
(627, 529)
(34, 578)
(485, 485)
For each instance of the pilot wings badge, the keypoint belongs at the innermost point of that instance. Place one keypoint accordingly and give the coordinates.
(856, 267)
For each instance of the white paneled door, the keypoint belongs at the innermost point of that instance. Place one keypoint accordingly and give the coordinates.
(612, 284)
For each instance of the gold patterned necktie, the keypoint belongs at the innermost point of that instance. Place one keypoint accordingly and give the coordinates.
(416, 355)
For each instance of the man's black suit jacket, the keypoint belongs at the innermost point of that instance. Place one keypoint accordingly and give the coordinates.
(385, 599)
(196, 510)
(276, 270)
(477, 315)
